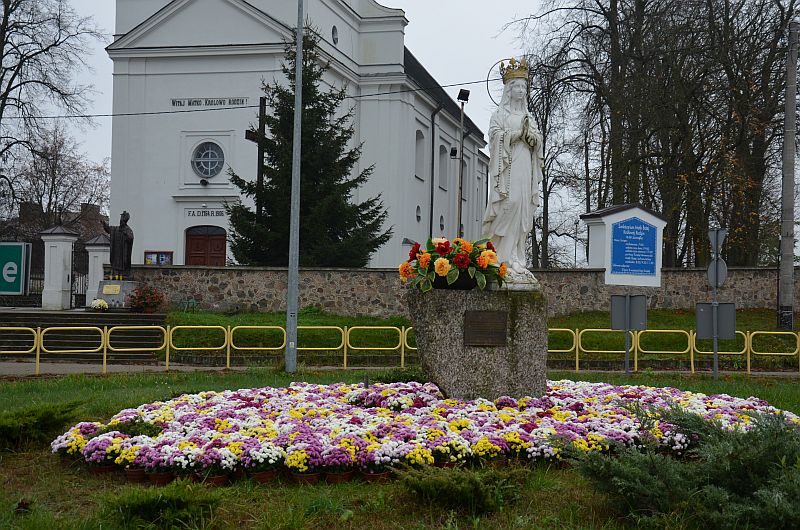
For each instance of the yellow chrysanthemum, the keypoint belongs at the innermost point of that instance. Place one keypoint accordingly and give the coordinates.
(442, 266)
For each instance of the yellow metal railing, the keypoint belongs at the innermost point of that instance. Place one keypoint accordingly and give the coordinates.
(696, 351)
(401, 342)
(226, 345)
(753, 352)
(640, 350)
(579, 345)
(347, 343)
(573, 348)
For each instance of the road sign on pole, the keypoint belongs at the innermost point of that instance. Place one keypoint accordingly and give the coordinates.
(13, 268)
(717, 274)
(628, 313)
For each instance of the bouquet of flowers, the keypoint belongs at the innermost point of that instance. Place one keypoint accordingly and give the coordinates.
(446, 259)
(99, 305)
(147, 298)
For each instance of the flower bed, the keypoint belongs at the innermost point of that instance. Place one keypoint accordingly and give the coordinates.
(311, 428)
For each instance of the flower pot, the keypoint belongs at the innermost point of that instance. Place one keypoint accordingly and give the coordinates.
(135, 474)
(305, 478)
(215, 480)
(463, 283)
(102, 469)
(264, 477)
(161, 478)
(338, 477)
(238, 474)
(378, 477)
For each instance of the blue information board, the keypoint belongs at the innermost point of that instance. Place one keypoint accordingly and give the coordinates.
(633, 247)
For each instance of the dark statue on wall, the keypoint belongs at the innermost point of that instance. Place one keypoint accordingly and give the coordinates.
(121, 247)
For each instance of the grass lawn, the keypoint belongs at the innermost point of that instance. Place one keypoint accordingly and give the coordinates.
(69, 497)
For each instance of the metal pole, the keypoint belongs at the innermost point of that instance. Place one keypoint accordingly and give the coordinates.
(459, 229)
(575, 262)
(294, 219)
(262, 130)
(715, 305)
(627, 333)
(786, 282)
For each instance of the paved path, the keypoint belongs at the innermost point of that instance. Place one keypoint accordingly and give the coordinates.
(28, 368)
(14, 369)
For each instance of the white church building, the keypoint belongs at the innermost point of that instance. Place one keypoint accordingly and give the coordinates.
(187, 81)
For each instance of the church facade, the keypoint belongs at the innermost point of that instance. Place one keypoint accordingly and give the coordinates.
(187, 81)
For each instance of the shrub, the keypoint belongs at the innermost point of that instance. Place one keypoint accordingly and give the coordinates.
(35, 425)
(730, 479)
(181, 504)
(475, 490)
(147, 298)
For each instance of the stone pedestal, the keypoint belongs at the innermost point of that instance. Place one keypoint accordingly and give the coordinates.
(99, 249)
(116, 293)
(57, 291)
(493, 362)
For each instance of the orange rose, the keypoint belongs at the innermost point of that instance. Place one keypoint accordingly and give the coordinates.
(466, 246)
(503, 270)
(406, 271)
(424, 260)
(483, 261)
(442, 266)
(490, 255)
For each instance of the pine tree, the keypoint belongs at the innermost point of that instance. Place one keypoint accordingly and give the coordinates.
(334, 231)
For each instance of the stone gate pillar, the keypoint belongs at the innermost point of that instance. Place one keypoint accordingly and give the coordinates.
(99, 249)
(58, 242)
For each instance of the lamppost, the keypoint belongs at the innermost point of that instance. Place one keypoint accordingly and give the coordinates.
(463, 97)
(292, 288)
(575, 261)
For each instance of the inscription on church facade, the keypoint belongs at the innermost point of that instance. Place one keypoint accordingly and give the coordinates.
(209, 102)
(205, 212)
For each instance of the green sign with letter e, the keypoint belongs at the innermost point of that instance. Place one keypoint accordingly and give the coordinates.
(13, 268)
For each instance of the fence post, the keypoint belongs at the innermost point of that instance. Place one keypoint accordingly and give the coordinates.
(169, 342)
(38, 341)
(693, 344)
(228, 340)
(636, 336)
(105, 339)
(749, 348)
(403, 347)
(577, 350)
(344, 347)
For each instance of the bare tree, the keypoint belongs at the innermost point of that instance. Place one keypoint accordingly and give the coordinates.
(43, 44)
(55, 179)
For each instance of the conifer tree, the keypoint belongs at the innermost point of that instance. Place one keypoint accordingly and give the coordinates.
(334, 230)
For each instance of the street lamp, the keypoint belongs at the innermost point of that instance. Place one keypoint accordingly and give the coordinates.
(575, 262)
(463, 97)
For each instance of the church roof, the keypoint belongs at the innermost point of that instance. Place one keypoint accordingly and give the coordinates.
(416, 72)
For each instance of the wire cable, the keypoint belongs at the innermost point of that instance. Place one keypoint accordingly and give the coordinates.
(240, 107)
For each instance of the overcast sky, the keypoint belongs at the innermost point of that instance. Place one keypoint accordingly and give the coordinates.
(456, 40)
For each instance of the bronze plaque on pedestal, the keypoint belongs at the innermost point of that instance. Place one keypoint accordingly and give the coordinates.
(485, 328)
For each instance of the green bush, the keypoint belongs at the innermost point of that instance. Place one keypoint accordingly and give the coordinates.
(181, 504)
(729, 479)
(35, 425)
(477, 491)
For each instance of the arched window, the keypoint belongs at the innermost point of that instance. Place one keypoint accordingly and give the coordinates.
(419, 161)
(443, 164)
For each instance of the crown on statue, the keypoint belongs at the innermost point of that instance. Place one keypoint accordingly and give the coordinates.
(514, 70)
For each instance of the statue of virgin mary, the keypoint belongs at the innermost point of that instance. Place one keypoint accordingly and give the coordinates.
(515, 175)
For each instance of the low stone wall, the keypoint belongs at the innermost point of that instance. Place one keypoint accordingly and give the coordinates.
(378, 292)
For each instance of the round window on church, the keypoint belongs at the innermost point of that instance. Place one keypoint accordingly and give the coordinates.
(208, 160)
